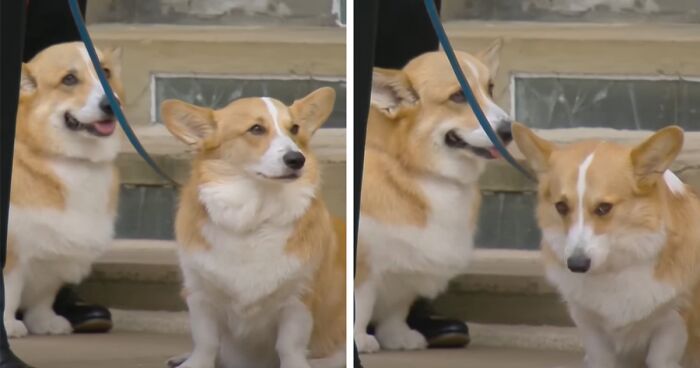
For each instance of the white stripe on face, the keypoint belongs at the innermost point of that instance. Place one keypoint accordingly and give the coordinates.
(579, 234)
(271, 163)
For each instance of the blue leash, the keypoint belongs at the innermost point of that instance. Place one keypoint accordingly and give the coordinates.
(445, 42)
(90, 47)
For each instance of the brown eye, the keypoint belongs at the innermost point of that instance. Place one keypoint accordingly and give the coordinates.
(257, 129)
(458, 97)
(603, 209)
(108, 72)
(562, 208)
(490, 88)
(69, 80)
(294, 129)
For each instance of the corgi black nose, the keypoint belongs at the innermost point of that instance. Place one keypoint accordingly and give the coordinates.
(294, 160)
(578, 263)
(504, 132)
(106, 107)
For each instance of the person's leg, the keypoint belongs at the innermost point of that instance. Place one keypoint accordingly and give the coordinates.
(11, 39)
(364, 40)
(404, 32)
(50, 22)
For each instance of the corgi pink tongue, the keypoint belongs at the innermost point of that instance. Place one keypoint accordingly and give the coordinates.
(494, 152)
(105, 127)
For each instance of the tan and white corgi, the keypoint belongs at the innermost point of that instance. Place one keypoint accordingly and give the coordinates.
(64, 185)
(622, 245)
(420, 196)
(264, 269)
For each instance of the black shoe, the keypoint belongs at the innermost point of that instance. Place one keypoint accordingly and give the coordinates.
(9, 360)
(440, 332)
(85, 318)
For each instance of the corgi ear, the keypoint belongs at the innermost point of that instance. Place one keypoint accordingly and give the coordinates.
(113, 57)
(27, 83)
(536, 150)
(490, 56)
(654, 156)
(392, 91)
(189, 123)
(313, 110)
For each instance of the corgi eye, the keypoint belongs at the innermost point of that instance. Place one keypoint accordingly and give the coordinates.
(603, 209)
(257, 129)
(108, 72)
(490, 88)
(562, 208)
(294, 129)
(458, 97)
(69, 80)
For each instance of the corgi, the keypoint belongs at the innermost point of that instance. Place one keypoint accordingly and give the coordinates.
(263, 263)
(621, 244)
(64, 186)
(425, 153)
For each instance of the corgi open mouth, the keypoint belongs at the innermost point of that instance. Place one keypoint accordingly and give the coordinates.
(453, 140)
(102, 128)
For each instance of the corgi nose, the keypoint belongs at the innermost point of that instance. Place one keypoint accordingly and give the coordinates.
(504, 131)
(294, 160)
(106, 107)
(578, 263)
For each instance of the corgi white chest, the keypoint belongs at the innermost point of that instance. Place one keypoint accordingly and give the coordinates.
(247, 269)
(83, 229)
(442, 247)
(619, 298)
(248, 232)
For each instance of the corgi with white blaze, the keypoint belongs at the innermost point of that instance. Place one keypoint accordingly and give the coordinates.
(621, 243)
(420, 199)
(65, 185)
(262, 259)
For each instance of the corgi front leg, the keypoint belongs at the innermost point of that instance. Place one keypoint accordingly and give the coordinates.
(365, 295)
(14, 281)
(38, 295)
(599, 349)
(668, 342)
(293, 335)
(393, 332)
(205, 333)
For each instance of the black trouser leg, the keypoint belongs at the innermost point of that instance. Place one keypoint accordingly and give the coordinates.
(49, 22)
(404, 31)
(11, 40)
(365, 35)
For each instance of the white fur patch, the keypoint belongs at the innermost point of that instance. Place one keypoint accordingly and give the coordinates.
(271, 164)
(674, 183)
(411, 261)
(580, 236)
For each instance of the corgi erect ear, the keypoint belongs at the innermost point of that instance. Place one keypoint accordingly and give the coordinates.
(189, 123)
(313, 110)
(112, 58)
(27, 84)
(536, 150)
(490, 56)
(392, 91)
(654, 156)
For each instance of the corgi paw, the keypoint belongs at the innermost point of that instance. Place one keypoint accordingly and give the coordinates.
(48, 324)
(191, 363)
(366, 343)
(402, 339)
(15, 328)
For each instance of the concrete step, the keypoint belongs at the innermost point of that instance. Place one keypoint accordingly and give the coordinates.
(121, 349)
(144, 275)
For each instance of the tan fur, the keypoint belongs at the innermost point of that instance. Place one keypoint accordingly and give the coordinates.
(223, 145)
(399, 144)
(631, 179)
